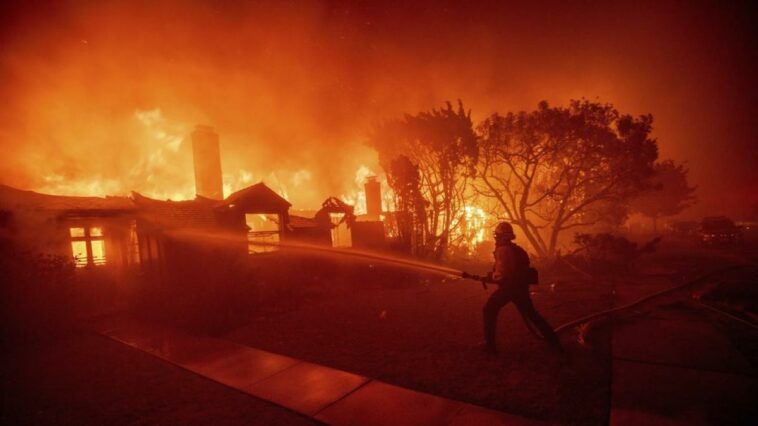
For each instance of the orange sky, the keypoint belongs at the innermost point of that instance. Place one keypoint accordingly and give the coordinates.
(98, 95)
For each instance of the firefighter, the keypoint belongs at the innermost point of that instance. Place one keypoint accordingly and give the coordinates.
(509, 272)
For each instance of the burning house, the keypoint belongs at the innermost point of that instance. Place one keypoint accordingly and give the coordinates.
(337, 225)
(121, 232)
(166, 230)
(124, 232)
(95, 231)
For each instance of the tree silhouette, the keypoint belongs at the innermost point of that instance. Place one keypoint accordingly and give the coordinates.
(405, 181)
(670, 193)
(556, 169)
(440, 145)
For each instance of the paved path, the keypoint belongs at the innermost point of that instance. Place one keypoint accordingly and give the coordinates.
(85, 379)
(326, 394)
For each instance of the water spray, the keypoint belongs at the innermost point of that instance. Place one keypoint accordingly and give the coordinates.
(367, 255)
(396, 261)
(205, 236)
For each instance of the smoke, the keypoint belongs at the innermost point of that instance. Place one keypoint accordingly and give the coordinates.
(101, 96)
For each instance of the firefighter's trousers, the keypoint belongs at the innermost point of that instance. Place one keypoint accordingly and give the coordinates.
(519, 295)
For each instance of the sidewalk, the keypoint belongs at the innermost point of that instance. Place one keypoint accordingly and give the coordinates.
(326, 394)
(82, 378)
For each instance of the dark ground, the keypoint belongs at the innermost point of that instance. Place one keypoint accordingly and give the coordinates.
(417, 332)
(83, 378)
(423, 335)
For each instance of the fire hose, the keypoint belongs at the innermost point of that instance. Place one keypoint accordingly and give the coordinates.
(647, 298)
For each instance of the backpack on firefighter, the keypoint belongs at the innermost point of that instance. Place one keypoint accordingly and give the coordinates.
(526, 273)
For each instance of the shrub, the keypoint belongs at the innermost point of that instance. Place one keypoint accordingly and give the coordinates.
(38, 292)
(606, 252)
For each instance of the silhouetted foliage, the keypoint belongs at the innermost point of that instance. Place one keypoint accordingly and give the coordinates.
(405, 181)
(670, 193)
(428, 158)
(554, 169)
(38, 292)
(605, 252)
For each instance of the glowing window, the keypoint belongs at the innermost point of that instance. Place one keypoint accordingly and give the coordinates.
(98, 252)
(263, 234)
(80, 252)
(87, 246)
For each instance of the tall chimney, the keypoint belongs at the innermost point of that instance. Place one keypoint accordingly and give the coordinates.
(373, 197)
(207, 159)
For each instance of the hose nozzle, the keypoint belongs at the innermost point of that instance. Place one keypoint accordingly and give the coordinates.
(483, 280)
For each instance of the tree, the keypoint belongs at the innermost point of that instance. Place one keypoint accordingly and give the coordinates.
(669, 194)
(556, 169)
(428, 159)
(404, 178)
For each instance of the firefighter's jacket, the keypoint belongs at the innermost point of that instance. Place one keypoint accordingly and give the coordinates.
(505, 264)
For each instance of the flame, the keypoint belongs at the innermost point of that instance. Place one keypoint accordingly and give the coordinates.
(58, 184)
(477, 223)
(162, 171)
(162, 168)
(357, 196)
(472, 228)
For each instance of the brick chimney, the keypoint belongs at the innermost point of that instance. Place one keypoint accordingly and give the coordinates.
(207, 159)
(373, 197)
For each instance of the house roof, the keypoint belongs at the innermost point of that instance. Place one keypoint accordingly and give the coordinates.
(257, 198)
(204, 212)
(197, 213)
(302, 222)
(18, 199)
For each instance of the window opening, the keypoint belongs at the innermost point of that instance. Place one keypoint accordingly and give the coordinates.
(263, 229)
(341, 234)
(87, 245)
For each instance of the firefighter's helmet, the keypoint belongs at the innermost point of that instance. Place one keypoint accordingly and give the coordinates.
(504, 230)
